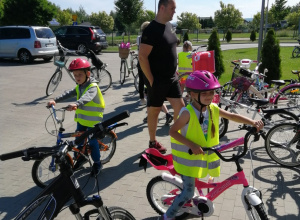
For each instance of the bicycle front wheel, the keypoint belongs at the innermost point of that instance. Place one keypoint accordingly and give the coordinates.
(134, 66)
(296, 52)
(45, 170)
(122, 71)
(289, 97)
(115, 213)
(280, 147)
(53, 82)
(104, 78)
(158, 190)
(107, 146)
(257, 212)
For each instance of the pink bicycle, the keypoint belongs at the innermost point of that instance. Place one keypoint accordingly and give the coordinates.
(162, 190)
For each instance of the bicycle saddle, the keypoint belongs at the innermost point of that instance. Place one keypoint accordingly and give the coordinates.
(259, 102)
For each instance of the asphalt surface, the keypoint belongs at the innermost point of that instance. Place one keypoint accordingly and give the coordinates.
(122, 182)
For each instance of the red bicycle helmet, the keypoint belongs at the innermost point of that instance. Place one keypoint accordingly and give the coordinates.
(202, 80)
(79, 63)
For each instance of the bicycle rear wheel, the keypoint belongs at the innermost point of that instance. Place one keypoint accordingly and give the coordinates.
(134, 66)
(107, 146)
(122, 71)
(279, 146)
(45, 170)
(158, 190)
(104, 78)
(296, 52)
(53, 82)
(115, 213)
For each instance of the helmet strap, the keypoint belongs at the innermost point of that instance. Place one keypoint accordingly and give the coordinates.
(201, 117)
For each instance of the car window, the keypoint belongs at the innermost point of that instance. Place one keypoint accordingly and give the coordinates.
(99, 31)
(15, 33)
(82, 31)
(61, 31)
(44, 33)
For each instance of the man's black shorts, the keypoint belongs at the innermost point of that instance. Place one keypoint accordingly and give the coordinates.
(157, 94)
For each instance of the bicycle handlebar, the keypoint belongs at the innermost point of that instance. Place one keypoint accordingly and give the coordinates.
(34, 152)
(251, 131)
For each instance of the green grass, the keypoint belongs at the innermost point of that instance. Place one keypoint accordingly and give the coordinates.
(288, 63)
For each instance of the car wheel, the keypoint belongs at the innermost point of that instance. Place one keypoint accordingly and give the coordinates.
(25, 57)
(47, 59)
(82, 48)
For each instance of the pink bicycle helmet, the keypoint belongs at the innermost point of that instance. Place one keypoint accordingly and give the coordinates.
(201, 80)
(79, 63)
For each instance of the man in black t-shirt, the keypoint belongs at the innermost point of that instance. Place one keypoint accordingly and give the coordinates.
(158, 60)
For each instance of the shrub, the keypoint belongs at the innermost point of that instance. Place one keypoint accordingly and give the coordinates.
(185, 36)
(228, 36)
(253, 36)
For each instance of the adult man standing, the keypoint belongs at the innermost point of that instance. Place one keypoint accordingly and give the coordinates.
(158, 60)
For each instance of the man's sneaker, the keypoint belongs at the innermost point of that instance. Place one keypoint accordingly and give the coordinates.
(96, 168)
(155, 144)
(80, 162)
(169, 118)
(143, 102)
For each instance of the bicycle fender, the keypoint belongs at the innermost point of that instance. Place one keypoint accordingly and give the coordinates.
(251, 195)
(172, 179)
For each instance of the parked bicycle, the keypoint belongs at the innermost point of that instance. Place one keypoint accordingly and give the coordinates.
(296, 51)
(282, 144)
(125, 69)
(98, 71)
(45, 169)
(50, 202)
(162, 190)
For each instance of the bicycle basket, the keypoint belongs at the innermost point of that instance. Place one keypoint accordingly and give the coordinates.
(59, 60)
(241, 82)
(123, 53)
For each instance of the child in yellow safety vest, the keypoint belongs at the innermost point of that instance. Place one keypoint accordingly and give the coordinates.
(198, 126)
(89, 108)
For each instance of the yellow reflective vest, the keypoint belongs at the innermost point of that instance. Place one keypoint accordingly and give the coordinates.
(92, 112)
(198, 166)
(184, 63)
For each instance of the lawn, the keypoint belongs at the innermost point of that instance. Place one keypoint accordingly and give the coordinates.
(288, 63)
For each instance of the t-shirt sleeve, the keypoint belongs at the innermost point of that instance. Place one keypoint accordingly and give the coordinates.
(148, 37)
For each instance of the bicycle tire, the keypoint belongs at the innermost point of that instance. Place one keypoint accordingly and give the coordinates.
(227, 89)
(104, 79)
(258, 212)
(136, 82)
(275, 144)
(107, 153)
(223, 127)
(162, 188)
(296, 52)
(53, 82)
(114, 211)
(289, 97)
(134, 67)
(122, 71)
(41, 173)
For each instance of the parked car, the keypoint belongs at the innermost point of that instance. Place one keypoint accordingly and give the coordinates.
(81, 37)
(27, 43)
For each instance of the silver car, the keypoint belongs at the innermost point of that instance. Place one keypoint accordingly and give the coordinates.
(27, 43)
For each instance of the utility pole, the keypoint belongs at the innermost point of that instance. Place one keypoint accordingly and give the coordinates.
(266, 23)
(260, 40)
(155, 7)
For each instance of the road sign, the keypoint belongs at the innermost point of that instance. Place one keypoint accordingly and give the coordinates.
(74, 23)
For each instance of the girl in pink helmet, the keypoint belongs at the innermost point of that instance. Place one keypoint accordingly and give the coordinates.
(198, 126)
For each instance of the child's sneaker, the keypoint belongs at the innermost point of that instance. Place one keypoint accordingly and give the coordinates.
(143, 102)
(155, 144)
(169, 118)
(96, 168)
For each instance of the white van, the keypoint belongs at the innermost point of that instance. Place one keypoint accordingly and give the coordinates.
(27, 43)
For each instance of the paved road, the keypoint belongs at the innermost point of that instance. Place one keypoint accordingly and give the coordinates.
(122, 182)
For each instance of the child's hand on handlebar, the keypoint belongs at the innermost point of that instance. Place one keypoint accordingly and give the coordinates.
(258, 124)
(72, 107)
(51, 102)
(196, 149)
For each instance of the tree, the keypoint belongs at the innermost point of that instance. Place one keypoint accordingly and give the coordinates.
(64, 17)
(188, 21)
(255, 24)
(228, 17)
(128, 11)
(253, 35)
(279, 10)
(228, 36)
(105, 21)
(270, 57)
(293, 20)
(214, 44)
(145, 15)
(1, 11)
(24, 12)
(206, 23)
(82, 16)
(185, 37)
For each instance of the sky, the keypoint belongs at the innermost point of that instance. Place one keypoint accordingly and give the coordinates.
(199, 7)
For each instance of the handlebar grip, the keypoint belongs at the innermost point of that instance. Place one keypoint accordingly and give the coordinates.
(12, 155)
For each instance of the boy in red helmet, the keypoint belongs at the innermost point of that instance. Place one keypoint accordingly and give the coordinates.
(89, 107)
